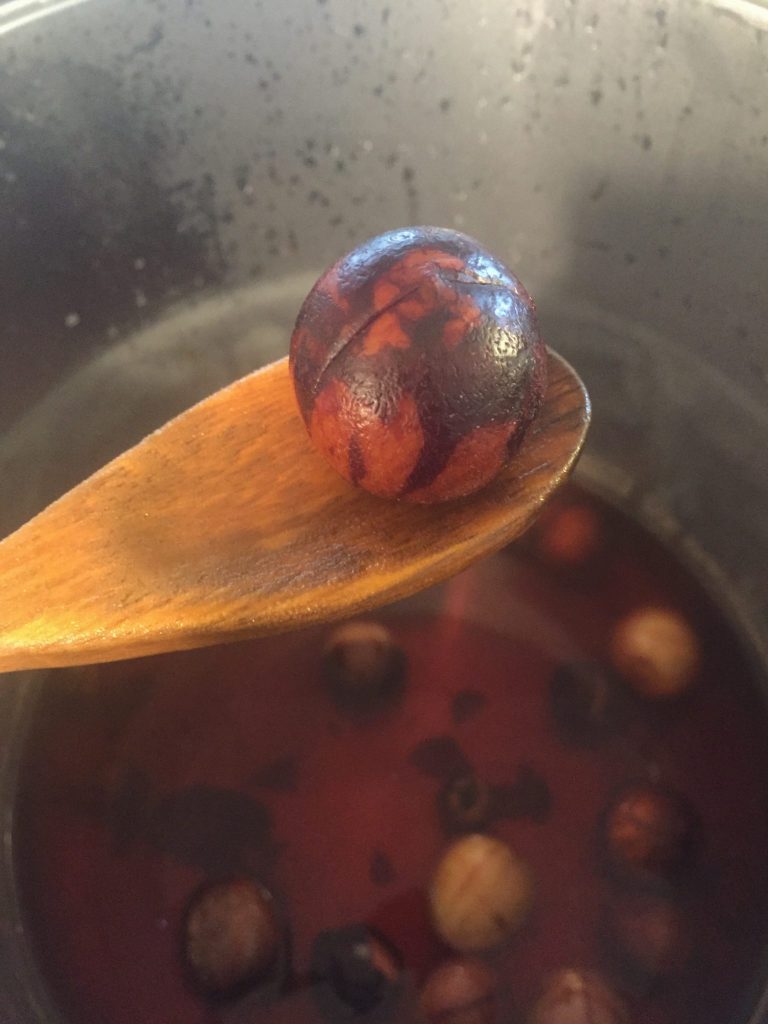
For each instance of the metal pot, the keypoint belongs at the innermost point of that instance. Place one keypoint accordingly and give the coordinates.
(173, 173)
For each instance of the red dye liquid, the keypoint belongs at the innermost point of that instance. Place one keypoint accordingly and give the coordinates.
(145, 779)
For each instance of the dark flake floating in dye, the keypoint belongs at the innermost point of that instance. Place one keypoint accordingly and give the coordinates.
(418, 365)
(126, 815)
(465, 804)
(529, 796)
(466, 705)
(440, 757)
(219, 831)
(281, 775)
(382, 870)
(585, 703)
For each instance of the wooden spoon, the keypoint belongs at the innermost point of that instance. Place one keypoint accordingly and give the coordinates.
(227, 524)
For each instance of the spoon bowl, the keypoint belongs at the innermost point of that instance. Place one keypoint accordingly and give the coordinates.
(226, 524)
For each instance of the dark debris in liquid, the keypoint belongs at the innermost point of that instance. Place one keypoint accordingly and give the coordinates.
(466, 705)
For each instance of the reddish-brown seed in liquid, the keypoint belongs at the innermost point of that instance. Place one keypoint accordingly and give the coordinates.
(656, 651)
(363, 667)
(568, 536)
(461, 991)
(651, 934)
(480, 895)
(231, 936)
(579, 997)
(651, 833)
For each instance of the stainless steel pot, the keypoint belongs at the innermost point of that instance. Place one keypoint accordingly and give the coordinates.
(174, 172)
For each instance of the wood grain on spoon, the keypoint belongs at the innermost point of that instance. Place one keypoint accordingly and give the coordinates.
(226, 524)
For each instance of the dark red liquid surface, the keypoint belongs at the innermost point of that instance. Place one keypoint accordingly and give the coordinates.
(142, 780)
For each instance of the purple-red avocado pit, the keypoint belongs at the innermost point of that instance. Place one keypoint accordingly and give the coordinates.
(418, 365)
